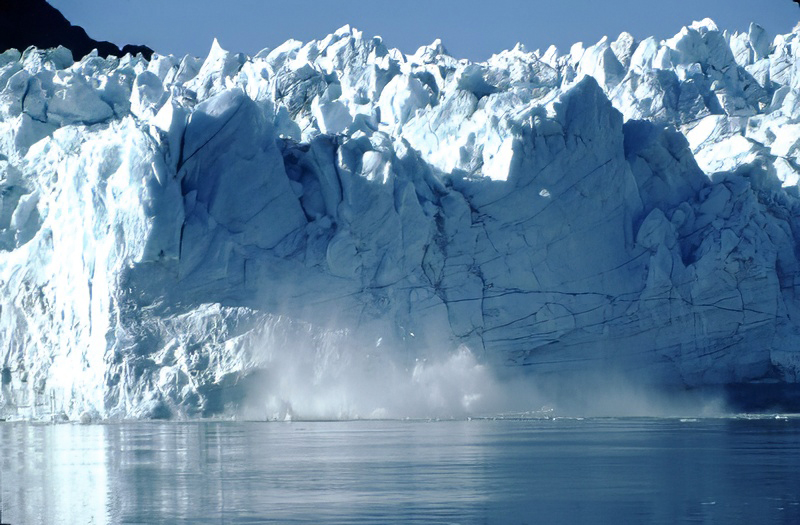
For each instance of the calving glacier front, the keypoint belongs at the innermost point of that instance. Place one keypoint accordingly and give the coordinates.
(188, 237)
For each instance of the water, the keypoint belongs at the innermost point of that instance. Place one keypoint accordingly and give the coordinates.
(480, 471)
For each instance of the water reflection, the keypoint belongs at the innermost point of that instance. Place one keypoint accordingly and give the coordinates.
(53, 474)
(229, 472)
(591, 471)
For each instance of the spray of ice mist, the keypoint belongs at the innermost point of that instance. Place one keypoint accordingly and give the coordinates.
(343, 382)
(315, 374)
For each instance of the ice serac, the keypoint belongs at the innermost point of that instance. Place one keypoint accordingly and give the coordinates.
(176, 234)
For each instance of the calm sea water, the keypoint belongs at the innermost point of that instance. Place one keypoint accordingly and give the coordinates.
(481, 471)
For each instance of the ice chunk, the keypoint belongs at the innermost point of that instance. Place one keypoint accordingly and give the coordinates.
(148, 95)
(75, 102)
(400, 99)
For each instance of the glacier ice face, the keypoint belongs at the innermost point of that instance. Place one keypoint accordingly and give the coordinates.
(174, 232)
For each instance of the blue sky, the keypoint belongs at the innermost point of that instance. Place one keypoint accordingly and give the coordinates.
(471, 29)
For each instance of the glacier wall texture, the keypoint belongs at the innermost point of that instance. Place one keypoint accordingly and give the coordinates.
(169, 228)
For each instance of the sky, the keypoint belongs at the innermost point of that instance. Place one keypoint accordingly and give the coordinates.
(473, 29)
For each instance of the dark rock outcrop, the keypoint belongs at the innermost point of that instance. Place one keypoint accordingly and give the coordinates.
(25, 23)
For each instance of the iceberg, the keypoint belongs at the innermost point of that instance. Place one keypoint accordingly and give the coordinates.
(173, 230)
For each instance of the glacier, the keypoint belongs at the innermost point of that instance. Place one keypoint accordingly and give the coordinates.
(188, 237)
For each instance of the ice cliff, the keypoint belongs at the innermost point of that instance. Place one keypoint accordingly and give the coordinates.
(173, 232)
